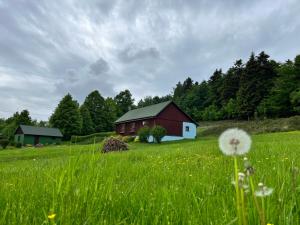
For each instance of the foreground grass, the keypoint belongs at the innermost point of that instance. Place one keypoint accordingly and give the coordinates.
(185, 182)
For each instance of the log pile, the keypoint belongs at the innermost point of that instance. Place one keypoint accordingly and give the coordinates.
(113, 144)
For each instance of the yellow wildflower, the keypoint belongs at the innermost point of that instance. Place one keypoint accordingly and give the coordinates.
(51, 216)
(270, 224)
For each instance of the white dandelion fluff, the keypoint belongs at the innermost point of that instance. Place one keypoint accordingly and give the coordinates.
(234, 141)
(263, 190)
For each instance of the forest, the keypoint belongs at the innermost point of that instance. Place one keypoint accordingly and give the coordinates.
(257, 89)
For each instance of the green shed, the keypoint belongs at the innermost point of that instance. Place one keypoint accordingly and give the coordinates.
(30, 135)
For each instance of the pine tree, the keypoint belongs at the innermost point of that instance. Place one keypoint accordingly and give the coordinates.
(149, 100)
(215, 87)
(124, 102)
(67, 117)
(87, 123)
(111, 111)
(23, 118)
(277, 103)
(231, 82)
(255, 84)
(295, 94)
(95, 103)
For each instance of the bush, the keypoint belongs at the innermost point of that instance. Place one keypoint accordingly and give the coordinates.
(158, 133)
(137, 139)
(294, 122)
(39, 145)
(211, 113)
(144, 134)
(4, 143)
(128, 139)
(18, 145)
(114, 144)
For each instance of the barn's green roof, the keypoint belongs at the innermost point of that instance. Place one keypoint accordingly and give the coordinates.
(41, 131)
(145, 112)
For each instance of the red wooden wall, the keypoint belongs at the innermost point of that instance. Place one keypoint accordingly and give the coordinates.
(170, 118)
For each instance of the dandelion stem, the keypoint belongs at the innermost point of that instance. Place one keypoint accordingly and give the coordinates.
(237, 192)
(263, 210)
(261, 217)
(243, 207)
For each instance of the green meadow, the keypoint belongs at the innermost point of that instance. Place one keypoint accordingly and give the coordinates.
(187, 182)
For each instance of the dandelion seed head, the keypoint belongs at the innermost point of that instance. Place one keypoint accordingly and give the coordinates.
(263, 193)
(241, 176)
(249, 170)
(234, 141)
(263, 190)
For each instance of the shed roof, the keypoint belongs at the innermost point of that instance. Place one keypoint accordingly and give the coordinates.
(42, 131)
(147, 112)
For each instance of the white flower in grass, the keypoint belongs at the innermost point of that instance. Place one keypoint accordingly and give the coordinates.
(241, 181)
(234, 142)
(263, 190)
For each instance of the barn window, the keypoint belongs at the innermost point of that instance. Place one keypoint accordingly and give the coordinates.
(144, 123)
(122, 130)
(187, 128)
(132, 128)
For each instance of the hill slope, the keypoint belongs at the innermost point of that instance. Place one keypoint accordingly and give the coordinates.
(253, 127)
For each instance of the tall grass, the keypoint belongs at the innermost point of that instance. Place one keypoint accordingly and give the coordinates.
(172, 183)
(252, 126)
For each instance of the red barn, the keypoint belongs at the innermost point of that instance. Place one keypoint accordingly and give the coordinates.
(178, 124)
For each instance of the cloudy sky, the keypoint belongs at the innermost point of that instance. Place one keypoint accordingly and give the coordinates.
(50, 48)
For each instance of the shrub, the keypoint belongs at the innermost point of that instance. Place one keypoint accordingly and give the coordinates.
(144, 134)
(39, 145)
(137, 139)
(128, 139)
(211, 113)
(158, 133)
(4, 143)
(18, 145)
(114, 144)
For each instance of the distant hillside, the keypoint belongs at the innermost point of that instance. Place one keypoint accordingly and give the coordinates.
(253, 127)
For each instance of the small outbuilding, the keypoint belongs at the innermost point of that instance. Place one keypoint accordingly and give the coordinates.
(30, 135)
(178, 124)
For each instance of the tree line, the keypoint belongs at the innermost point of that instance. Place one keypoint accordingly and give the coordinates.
(96, 114)
(258, 88)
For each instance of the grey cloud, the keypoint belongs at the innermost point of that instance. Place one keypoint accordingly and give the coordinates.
(49, 45)
(99, 67)
(131, 54)
(71, 75)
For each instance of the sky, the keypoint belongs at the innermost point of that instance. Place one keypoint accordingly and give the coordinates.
(51, 48)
